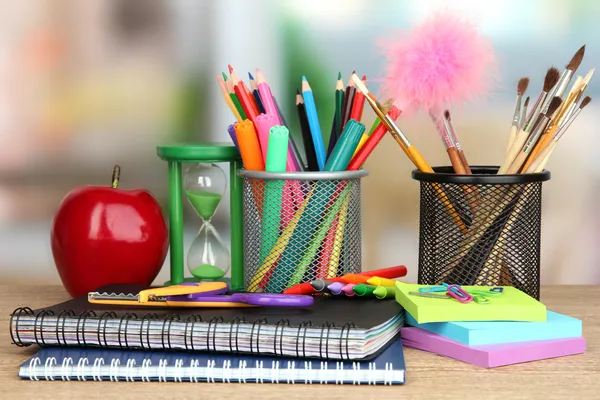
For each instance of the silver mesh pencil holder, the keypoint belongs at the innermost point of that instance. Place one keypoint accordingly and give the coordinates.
(480, 229)
(300, 226)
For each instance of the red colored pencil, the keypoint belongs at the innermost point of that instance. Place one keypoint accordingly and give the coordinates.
(241, 91)
(358, 104)
(371, 142)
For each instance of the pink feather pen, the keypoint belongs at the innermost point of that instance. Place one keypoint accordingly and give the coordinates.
(444, 61)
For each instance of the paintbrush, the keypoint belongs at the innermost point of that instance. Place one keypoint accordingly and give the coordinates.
(565, 78)
(533, 138)
(413, 154)
(560, 116)
(523, 117)
(514, 127)
(449, 144)
(454, 137)
(552, 76)
(550, 80)
(541, 160)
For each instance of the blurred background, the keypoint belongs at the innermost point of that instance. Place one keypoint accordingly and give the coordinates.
(87, 84)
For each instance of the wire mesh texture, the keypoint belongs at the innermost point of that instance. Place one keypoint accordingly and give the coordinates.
(480, 229)
(299, 227)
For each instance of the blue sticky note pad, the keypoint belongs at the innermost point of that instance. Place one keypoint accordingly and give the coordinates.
(475, 333)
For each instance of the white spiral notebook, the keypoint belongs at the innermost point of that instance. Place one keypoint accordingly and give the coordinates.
(85, 364)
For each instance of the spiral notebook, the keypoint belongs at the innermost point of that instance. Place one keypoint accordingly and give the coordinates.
(335, 328)
(133, 365)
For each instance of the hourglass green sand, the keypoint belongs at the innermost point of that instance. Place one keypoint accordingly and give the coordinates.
(204, 184)
(205, 203)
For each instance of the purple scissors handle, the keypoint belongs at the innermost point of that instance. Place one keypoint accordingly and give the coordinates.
(192, 296)
(255, 299)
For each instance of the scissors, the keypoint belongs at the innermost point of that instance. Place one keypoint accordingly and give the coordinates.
(199, 295)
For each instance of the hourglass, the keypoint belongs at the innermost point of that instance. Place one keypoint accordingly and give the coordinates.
(204, 185)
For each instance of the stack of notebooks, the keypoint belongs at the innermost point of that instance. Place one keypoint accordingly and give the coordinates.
(337, 340)
(513, 328)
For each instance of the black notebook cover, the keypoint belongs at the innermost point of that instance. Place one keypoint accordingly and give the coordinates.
(328, 312)
(364, 313)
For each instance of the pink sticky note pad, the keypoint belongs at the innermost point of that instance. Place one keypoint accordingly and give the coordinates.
(492, 355)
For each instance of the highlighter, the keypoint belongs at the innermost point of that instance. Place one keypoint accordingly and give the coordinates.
(377, 281)
(348, 289)
(385, 292)
(364, 290)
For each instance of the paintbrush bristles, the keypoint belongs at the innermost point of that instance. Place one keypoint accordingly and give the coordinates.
(522, 86)
(551, 79)
(576, 60)
(585, 102)
(554, 104)
(526, 102)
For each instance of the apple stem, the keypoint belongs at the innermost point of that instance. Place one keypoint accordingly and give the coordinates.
(115, 176)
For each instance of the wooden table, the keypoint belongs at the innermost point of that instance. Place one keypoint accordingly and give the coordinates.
(428, 376)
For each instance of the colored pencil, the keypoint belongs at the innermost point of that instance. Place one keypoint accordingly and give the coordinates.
(337, 119)
(234, 99)
(348, 102)
(241, 91)
(365, 151)
(309, 148)
(358, 104)
(256, 95)
(313, 122)
(228, 99)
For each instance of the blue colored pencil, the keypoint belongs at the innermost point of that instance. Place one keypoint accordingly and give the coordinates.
(313, 122)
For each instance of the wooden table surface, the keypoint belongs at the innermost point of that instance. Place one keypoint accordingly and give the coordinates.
(428, 376)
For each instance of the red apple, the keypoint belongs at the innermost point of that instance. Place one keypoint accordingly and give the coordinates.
(104, 235)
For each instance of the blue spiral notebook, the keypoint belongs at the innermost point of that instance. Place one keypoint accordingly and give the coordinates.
(85, 364)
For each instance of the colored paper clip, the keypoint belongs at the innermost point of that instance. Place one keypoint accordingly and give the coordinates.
(431, 289)
(497, 289)
(480, 299)
(459, 294)
(483, 292)
(431, 295)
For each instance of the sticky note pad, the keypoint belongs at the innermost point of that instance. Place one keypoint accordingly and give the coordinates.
(512, 305)
(491, 355)
(475, 333)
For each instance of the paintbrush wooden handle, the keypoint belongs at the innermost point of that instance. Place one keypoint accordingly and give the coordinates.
(465, 163)
(514, 151)
(517, 163)
(541, 159)
(511, 139)
(456, 161)
(423, 166)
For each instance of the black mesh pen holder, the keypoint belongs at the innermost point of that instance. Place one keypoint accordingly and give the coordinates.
(480, 229)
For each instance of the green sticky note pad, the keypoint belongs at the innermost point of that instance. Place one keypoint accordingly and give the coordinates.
(512, 305)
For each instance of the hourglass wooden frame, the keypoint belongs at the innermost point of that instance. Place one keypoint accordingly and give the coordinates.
(175, 155)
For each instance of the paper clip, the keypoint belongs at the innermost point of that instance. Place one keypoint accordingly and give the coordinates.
(480, 299)
(497, 289)
(431, 289)
(484, 293)
(430, 295)
(459, 294)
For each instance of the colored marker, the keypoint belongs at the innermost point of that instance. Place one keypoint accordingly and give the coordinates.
(385, 292)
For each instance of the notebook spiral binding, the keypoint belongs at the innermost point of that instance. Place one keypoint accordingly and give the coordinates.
(212, 372)
(40, 332)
